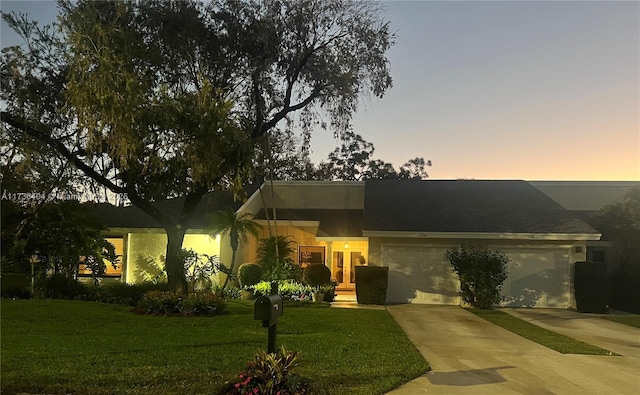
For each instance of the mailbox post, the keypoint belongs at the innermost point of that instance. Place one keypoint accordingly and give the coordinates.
(268, 309)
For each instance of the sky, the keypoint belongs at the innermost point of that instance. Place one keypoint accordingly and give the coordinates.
(543, 90)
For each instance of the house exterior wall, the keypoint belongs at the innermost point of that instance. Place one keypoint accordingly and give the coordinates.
(301, 235)
(307, 194)
(145, 252)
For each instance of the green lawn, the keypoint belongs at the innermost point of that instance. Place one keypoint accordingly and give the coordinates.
(56, 347)
(547, 338)
(632, 320)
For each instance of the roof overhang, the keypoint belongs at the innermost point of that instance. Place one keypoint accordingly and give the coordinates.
(287, 222)
(121, 231)
(482, 235)
(346, 238)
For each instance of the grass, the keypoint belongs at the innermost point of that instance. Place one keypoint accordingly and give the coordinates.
(545, 337)
(59, 347)
(631, 320)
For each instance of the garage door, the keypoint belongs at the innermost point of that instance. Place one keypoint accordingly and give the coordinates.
(419, 274)
(538, 278)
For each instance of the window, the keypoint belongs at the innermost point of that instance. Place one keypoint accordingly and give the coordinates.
(310, 255)
(110, 271)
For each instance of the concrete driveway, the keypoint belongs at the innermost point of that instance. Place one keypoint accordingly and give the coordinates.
(469, 355)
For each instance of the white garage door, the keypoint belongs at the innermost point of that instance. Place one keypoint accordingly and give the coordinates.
(419, 274)
(538, 278)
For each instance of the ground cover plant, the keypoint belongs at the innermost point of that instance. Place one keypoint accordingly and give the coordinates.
(81, 347)
(545, 337)
(631, 320)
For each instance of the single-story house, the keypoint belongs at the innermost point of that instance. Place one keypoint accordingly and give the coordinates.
(405, 225)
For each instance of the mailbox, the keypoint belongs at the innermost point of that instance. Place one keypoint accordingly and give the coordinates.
(268, 309)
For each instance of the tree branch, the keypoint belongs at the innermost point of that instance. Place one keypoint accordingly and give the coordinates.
(288, 109)
(89, 171)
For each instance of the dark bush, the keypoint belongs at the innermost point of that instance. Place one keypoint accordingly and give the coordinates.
(316, 275)
(481, 272)
(16, 285)
(118, 292)
(192, 304)
(249, 274)
(59, 286)
(625, 292)
(371, 284)
(591, 287)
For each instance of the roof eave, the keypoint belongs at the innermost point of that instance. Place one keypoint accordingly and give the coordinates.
(483, 235)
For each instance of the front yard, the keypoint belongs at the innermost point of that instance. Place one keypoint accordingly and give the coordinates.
(56, 347)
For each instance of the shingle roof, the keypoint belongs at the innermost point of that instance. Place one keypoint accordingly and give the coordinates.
(333, 222)
(465, 206)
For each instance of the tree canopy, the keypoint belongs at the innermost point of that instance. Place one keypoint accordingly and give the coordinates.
(156, 99)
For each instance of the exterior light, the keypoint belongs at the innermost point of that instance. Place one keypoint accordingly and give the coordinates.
(346, 246)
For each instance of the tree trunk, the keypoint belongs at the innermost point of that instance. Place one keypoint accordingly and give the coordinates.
(234, 248)
(174, 266)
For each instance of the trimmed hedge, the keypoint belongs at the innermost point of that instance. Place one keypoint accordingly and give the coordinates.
(591, 287)
(316, 275)
(371, 284)
(249, 274)
(189, 305)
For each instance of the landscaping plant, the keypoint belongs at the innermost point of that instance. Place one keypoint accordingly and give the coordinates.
(481, 271)
(275, 256)
(371, 284)
(238, 227)
(249, 274)
(192, 304)
(271, 374)
(288, 289)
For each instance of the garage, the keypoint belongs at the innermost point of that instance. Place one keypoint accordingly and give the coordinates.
(538, 277)
(419, 274)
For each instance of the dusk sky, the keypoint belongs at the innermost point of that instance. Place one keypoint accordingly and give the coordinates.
(500, 90)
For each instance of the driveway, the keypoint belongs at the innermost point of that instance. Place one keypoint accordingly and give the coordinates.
(469, 355)
(589, 328)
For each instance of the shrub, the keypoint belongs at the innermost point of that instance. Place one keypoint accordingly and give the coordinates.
(625, 292)
(271, 374)
(249, 274)
(192, 304)
(288, 289)
(16, 285)
(316, 275)
(278, 266)
(591, 287)
(58, 286)
(482, 272)
(371, 284)
(122, 293)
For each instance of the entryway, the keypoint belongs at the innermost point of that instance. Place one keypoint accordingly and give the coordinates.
(345, 256)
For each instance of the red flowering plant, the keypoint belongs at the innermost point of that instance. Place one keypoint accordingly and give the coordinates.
(270, 374)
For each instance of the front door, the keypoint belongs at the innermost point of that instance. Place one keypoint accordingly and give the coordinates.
(343, 267)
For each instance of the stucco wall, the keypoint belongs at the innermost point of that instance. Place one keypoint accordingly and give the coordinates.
(145, 252)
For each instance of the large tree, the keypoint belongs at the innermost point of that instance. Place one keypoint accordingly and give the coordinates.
(156, 99)
(353, 160)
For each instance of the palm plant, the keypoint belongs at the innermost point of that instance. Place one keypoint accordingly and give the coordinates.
(275, 255)
(238, 226)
